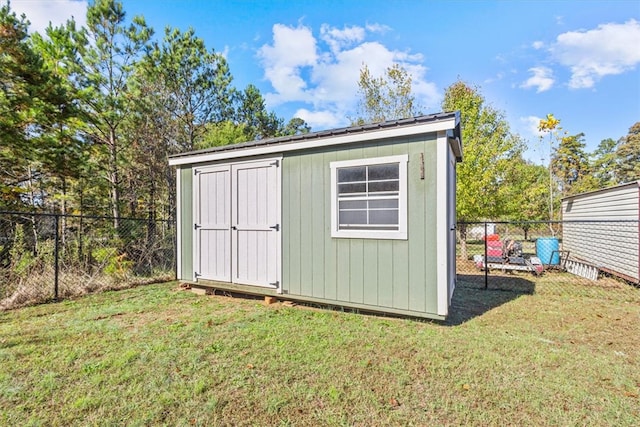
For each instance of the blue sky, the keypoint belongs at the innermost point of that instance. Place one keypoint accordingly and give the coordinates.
(579, 60)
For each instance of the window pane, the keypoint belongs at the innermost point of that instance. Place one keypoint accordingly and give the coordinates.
(382, 204)
(353, 204)
(383, 217)
(356, 173)
(353, 217)
(352, 188)
(368, 200)
(375, 187)
(389, 171)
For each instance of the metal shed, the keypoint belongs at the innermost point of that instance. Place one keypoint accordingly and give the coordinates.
(360, 217)
(602, 228)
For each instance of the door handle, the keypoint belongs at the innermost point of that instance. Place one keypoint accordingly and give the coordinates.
(233, 227)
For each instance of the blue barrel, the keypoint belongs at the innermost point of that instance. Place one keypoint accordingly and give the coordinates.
(547, 250)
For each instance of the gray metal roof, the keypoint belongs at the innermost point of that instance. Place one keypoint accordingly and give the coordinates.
(635, 183)
(332, 132)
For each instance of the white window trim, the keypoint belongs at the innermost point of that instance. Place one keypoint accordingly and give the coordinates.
(401, 233)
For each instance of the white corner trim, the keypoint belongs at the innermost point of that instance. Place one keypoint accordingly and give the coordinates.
(279, 290)
(442, 149)
(330, 140)
(178, 226)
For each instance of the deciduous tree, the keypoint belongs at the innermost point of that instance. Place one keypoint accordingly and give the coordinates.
(388, 97)
(525, 192)
(489, 150)
(551, 127)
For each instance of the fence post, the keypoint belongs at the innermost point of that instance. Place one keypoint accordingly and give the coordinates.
(56, 255)
(486, 259)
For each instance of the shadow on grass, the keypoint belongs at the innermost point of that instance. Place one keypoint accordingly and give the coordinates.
(471, 300)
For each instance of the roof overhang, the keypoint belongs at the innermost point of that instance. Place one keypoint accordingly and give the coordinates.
(445, 122)
(603, 190)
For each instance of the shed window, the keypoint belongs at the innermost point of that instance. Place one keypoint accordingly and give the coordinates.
(369, 198)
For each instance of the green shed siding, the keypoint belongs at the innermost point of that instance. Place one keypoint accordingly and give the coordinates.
(397, 274)
(186, 223)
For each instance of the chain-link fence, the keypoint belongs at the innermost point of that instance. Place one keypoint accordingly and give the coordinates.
(592, 258)
(46, 257)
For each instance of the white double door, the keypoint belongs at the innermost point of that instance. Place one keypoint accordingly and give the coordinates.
(237, 223)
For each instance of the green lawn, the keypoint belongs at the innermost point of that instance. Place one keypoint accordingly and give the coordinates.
(157, 355)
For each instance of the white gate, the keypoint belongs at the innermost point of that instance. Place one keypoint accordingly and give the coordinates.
(246, 246)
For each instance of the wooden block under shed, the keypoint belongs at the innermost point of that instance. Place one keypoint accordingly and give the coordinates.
(269, 300)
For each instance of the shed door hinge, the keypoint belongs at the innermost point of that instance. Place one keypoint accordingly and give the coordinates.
(275, 284)
(196, 226)
(196, 275)
(276, 163)
(196, 171)
(276, 227)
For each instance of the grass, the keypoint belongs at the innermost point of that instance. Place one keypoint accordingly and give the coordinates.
(552, 281)
(157, 355)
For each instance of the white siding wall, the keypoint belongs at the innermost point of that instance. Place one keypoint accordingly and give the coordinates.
(612, 244)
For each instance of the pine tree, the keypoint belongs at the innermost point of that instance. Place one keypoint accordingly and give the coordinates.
(628, 155)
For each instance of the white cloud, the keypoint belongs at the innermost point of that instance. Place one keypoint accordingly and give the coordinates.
(591, 55)
(542, 79)
(427, 94)
(499, 76)
(339, 39)
(319, 119)
(42, 12)
(537, 45)
(377, 28)
(323, 73)
(531, 124)
(293, 49)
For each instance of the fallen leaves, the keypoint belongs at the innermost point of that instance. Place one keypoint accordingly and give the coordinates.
(395, 403)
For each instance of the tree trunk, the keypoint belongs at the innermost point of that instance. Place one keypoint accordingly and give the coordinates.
(32, 219)
(80, 227)
(171, 186)
(551, 190)
(113, 179)
(63, 211)
(462, 229)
